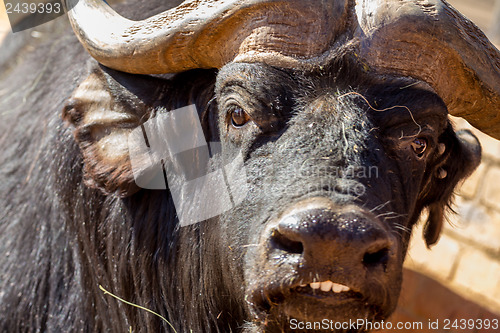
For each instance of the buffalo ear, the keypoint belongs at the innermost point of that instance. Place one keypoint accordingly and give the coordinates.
(434, 224)
(103, 120)
(461, 157)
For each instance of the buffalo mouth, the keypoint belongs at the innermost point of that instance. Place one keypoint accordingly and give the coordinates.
(319, 261)
(315, 301)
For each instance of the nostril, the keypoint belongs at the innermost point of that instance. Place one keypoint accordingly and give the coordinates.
(284, 243)
(373, 259)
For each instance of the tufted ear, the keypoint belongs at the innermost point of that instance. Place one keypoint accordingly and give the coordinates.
(104, 110)
(461, 156)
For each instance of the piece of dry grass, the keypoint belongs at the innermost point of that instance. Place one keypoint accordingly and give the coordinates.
(137, 306)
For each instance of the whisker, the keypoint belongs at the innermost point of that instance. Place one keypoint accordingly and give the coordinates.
(386, 214)
(380, 206)
(394, 217)
(402, 228)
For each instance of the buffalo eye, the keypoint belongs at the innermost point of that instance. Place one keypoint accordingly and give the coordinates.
(239, 117)
(419, 146)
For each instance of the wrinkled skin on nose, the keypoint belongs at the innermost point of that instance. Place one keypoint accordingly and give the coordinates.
(319, 234)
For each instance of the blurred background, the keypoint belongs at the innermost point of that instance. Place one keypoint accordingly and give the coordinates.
(460, 277)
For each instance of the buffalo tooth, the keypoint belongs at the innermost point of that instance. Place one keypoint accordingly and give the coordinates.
(303, 285)
(315, 285)
(345, 288)
(326, 286)
(337, 288)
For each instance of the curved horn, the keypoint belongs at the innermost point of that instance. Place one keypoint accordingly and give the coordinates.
(207, 33)
(424, 39)
(431, 41)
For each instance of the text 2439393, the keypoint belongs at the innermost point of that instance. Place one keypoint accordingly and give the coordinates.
(33, 7)
(26, 14)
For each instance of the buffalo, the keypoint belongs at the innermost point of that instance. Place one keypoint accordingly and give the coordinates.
(335, 111)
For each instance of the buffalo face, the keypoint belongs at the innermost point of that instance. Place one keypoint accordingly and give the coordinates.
(336, 181)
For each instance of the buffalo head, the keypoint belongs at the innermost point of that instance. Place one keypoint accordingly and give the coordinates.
(339, 110)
